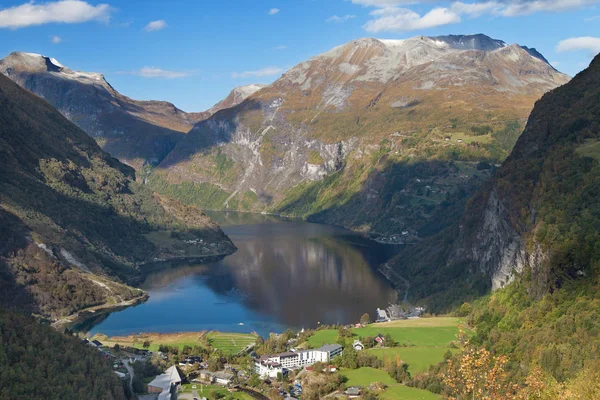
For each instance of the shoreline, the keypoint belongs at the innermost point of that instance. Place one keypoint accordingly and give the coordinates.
(87, 313)
(146, 269)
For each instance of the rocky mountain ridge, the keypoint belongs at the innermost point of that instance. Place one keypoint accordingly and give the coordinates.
(534, 219)
(338, 136)
(136, 132)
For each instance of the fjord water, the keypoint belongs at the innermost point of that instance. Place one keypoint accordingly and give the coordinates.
(285, 274)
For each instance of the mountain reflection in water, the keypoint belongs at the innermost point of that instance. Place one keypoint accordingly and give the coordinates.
(285, 274)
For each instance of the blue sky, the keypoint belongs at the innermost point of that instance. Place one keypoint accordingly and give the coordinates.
(192, 52)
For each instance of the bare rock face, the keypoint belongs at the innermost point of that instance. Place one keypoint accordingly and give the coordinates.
(136, 132)
(538, 215)
(332, 126)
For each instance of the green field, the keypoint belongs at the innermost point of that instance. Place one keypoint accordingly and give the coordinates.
(418, 358)
(206, 390)
(230, 343)
(422, 332)
(365, 376)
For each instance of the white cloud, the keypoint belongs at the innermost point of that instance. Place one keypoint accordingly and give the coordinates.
(403, 19)
(153, 72)
(337, 18)
(383, 3)
(274, 11)
(56, 39)
(269, 71)
(282, 47)
(64, 11)
(586, 43)
(389, 16)
(475, 9)
(155, 25)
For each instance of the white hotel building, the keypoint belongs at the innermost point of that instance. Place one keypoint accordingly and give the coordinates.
(271, 366)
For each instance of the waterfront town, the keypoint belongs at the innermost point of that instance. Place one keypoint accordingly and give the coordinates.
(340, 361)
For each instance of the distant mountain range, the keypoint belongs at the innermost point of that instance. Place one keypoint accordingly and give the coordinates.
(376, 135)
(137, 132)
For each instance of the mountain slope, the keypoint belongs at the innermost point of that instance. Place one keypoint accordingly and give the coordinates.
(136, 132)
(75, 226)
(533, 234)
(39, 363)
(235, 97)
(376, 135)
(537, 216)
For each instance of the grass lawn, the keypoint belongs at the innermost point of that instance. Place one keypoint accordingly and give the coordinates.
(230, 343)
(227, 342)
(156, 339)
(206, 389)
(418, 358)
(324, 336)
(365, 376)
(422, 332)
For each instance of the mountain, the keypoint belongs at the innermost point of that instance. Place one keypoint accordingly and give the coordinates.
(136, 132)
(385, 136)
(535, 215)
(531, 234)
(75, 227)
(235, 97)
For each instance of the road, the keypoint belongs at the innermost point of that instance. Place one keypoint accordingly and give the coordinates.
(131, 372)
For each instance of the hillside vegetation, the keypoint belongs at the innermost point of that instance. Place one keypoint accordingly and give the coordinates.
(36, 362)
(74, 222)
(533, 232)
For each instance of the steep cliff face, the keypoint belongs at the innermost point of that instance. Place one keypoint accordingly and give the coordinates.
(75, 227)
(136, 132)
(538, 217)
(327, 140)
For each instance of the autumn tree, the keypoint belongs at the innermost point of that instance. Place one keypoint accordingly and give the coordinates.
(365, 319)
(478, 375)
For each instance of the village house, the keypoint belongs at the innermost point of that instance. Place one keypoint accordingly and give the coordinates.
(205, 376)
(380, 339)
(223, 378)
(165, 384)
(95, 343)
(353, 392)
(358, 346)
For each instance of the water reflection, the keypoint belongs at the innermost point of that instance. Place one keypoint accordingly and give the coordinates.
(285, 274)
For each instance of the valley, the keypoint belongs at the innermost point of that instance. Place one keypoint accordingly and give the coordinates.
(410, 218)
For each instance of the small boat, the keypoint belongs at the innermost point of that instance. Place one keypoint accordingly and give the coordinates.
(241, 324)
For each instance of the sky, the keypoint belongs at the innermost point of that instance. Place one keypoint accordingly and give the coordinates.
(193, 52)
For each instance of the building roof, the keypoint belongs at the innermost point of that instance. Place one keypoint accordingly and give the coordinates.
(164, 381)
(223, 375)
(330, 347)
(287, 354)
(97, 343)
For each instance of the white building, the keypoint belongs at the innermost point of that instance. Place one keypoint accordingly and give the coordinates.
(165, 384)
(270, 366)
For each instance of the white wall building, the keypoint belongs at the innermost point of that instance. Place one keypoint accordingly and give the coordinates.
(270, 366)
